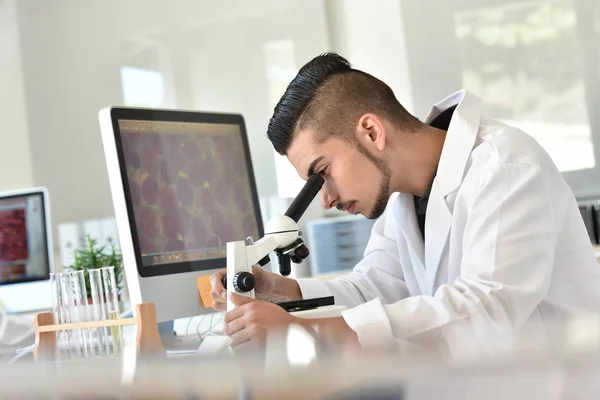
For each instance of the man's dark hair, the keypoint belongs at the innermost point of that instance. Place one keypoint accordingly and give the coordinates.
(329, 96)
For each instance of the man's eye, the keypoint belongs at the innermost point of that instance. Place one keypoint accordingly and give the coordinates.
(323, 171)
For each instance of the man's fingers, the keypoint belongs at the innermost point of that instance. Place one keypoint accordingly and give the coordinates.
(217, 297)
(219, 306)
(234, 314)
(219, 302)
(216, 281)
(238, 338)
(234, 326)
(240, 300)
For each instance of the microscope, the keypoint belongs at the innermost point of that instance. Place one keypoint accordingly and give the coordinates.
(283, 237)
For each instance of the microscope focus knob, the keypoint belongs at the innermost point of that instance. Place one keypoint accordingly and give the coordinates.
(243, 282)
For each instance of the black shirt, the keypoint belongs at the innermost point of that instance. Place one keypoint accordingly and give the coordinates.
(442, 121)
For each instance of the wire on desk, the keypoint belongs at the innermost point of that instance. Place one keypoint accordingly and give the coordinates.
(211, 327)
(187, 327)
(22, 353)
(201, 335)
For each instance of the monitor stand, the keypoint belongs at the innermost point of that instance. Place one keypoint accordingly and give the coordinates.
(172, 343)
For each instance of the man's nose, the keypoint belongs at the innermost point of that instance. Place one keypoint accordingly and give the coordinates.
(327, 198)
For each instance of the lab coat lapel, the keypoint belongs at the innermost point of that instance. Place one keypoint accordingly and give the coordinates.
(405, 214)
(459, 142)
(437, 229)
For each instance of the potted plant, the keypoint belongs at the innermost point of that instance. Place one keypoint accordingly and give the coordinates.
(93, 256)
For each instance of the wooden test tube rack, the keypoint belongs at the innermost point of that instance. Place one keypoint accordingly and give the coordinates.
(147, 340)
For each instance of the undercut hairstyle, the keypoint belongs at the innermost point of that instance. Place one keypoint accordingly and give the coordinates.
(329, 96)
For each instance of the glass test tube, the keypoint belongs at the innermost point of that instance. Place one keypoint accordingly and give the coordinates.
(57, 311)
(112, 304)
(82, 315)
(99, 310)
(69, 314)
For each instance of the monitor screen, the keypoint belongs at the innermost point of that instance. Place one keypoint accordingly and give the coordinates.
(23, 238)
(190, 189)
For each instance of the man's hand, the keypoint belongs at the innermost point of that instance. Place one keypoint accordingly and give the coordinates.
(252, 319)
(250, 322)
(267, 286)
(263, 289)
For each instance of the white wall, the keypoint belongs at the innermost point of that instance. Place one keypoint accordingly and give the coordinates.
(432, 50)
(71, 70)
(228, 87)
(408, 44)
(15, 162)
(61, 64)
(370, 34)
(230, 74)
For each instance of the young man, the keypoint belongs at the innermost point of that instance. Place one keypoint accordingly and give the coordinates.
(480, 247)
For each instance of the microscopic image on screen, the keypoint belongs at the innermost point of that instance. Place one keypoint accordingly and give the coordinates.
(14, 250)
(13, 235)
(189, 185)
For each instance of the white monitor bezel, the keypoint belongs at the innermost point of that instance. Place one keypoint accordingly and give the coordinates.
(32, 294)
(144, 284)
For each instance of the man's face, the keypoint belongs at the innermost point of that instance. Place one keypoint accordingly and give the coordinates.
(355, 180)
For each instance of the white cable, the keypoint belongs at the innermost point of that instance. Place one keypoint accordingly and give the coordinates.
(22, 353)
(221, 319)
(198, 326)
(209, 327)
(187, 327)
(15, 329)
(213, 324)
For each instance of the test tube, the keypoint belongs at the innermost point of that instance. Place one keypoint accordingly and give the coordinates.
(69, 314)
(112, 304)
(57, 311)
(99, 309)
(82, 315)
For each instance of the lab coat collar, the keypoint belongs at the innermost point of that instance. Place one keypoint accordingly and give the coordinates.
(460, 139)
(459, 142)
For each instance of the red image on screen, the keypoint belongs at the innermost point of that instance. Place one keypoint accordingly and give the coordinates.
(13, 235)
(189, 191)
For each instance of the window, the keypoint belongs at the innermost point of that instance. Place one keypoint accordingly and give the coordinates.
(142, 87)
(525, 61)
(281, 69)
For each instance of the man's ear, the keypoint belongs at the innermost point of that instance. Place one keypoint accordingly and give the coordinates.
(371, 132)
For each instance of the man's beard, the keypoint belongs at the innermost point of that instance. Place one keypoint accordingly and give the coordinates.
(384, 184)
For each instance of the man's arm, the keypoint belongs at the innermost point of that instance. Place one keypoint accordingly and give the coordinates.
(286, 288)
(508, 249)
(377, 275)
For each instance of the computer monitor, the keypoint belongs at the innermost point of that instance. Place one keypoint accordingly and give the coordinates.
(26, 255)
(182, 186)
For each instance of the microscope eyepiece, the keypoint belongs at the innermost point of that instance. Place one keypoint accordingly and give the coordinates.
(305, 197)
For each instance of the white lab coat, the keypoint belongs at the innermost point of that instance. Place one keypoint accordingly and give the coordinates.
(506, 259)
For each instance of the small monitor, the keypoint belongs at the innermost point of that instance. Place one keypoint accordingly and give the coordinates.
(26, 255)
(183, 186)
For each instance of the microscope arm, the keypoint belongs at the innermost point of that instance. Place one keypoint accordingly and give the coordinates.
(260, 249)
(282, 236)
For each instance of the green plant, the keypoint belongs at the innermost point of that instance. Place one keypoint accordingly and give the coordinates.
(93, 256)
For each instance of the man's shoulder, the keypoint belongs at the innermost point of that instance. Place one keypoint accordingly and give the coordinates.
(506, 144)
